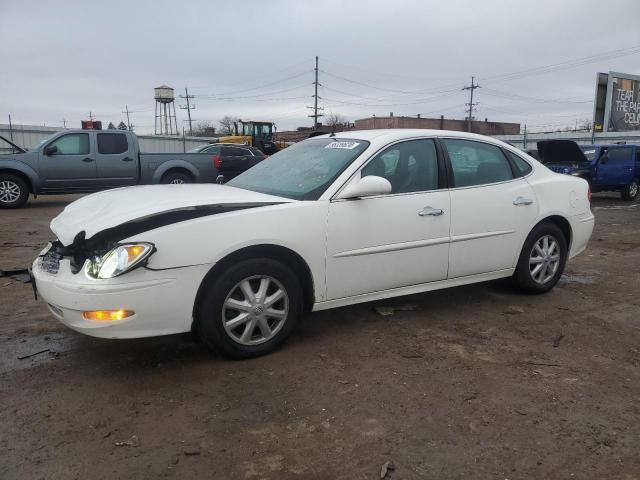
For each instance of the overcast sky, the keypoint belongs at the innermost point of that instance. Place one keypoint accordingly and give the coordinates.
(255, 59)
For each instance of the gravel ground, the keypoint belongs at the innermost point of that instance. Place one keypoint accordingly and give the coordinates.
(474, 382)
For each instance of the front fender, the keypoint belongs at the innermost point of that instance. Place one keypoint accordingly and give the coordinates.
(175, 164)
(8, 166)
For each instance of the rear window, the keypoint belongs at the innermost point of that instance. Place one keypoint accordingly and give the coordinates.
(232, 152)
(112, 143)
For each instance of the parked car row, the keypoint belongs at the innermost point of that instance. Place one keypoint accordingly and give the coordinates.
(327, 222)
(83, 161)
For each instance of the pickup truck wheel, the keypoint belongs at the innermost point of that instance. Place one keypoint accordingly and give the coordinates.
(14, 192)
(249, 309)
(630, 192)
(177, 178)
(542, 259)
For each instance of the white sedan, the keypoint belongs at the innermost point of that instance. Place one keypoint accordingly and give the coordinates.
(328, 222)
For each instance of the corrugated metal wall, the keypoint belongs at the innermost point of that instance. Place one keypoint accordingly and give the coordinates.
(29, 136)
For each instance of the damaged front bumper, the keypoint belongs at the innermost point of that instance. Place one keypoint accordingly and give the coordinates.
(162, 300)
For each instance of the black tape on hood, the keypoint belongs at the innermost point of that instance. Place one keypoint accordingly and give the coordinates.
(103, 241)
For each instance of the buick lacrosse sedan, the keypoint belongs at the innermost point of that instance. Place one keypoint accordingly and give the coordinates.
(330, 221)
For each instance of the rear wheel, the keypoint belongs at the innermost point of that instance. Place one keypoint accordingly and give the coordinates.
(542, 259)
(177, 178)
(250, 309)
(14, 191)
(630, 192)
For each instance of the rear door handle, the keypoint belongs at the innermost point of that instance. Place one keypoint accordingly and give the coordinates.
(127, 159)
(87, 159)
(522, 201)
(430, 212)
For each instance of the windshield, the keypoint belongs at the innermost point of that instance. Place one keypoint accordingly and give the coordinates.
(303, 171)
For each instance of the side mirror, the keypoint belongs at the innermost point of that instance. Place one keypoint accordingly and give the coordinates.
(50, 150)
(367, 187)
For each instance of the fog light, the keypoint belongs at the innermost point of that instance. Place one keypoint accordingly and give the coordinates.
(107, 315)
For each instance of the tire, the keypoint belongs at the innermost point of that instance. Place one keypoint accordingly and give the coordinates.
(245, 338)
(176, 178)
(14, 191)
(541, 282)
(630, 192)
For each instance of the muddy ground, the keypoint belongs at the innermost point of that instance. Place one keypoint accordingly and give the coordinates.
(475, 382)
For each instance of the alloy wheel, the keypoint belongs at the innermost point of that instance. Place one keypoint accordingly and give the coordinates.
(255, 310)
(544, 259)
(9, 191)
(177, 181)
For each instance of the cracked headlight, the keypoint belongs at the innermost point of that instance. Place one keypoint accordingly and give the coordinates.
(119, 260)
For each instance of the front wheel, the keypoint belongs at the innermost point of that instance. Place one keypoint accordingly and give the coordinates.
(630, 192)
(249, 309)
(14, 192)
(542, 259)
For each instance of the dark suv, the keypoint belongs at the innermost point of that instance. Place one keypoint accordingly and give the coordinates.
(231, 159)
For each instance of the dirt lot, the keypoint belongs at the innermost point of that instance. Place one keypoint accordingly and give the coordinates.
(474, 382)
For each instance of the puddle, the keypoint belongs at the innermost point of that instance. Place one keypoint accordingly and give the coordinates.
(581, 279)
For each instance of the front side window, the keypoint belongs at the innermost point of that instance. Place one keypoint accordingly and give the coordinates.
(112, 143)
(72, 144)
(410, 166)
(302, 171)
(232, 152)
(619, 154)
(476, 163)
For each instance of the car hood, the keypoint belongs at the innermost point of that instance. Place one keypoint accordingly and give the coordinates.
(561, 151)
(151, 206)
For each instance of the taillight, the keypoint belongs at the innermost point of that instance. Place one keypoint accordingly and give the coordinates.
(589, 194)
(217, 161)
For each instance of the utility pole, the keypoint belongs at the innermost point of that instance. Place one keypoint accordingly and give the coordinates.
(90, 116)
(471, 104)
(64, 122)
(188, 107)
(315, 107)
(126, 110)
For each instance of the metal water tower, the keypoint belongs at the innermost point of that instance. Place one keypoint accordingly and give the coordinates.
(164, 118)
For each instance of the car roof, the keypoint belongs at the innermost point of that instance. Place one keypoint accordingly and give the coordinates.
(393, 134)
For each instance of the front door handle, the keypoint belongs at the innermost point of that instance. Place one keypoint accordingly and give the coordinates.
(522, 201)
(430, 212)
(127, 159)
(87, 159)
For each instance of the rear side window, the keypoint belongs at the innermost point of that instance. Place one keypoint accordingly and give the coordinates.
(476, 163)
(212, 149)
(72, 144)
(522, 166)
(112, 143)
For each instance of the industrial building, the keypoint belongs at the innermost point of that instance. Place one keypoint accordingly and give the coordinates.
(482, 127)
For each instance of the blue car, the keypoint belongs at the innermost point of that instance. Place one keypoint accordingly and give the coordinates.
(607, 168)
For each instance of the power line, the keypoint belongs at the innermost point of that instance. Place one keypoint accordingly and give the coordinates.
(126, 110)
(259, 86)
(471, 89)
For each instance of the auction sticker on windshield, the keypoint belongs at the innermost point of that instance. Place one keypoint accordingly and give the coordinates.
(343, 145)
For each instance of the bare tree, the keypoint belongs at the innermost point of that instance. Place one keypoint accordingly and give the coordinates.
(204, 128)
(226, 125)
(334, 120)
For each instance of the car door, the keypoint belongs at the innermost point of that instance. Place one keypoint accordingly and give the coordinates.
(71, 165)
(234, 161)
(493, 207)
(116, 159)
(616, 166)
(395, 240)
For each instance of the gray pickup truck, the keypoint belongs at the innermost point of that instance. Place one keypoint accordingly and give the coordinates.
(83, 161)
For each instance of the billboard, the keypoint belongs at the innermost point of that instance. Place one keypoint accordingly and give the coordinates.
(617, 102)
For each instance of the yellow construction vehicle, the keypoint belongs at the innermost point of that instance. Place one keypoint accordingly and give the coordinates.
(257, 134)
